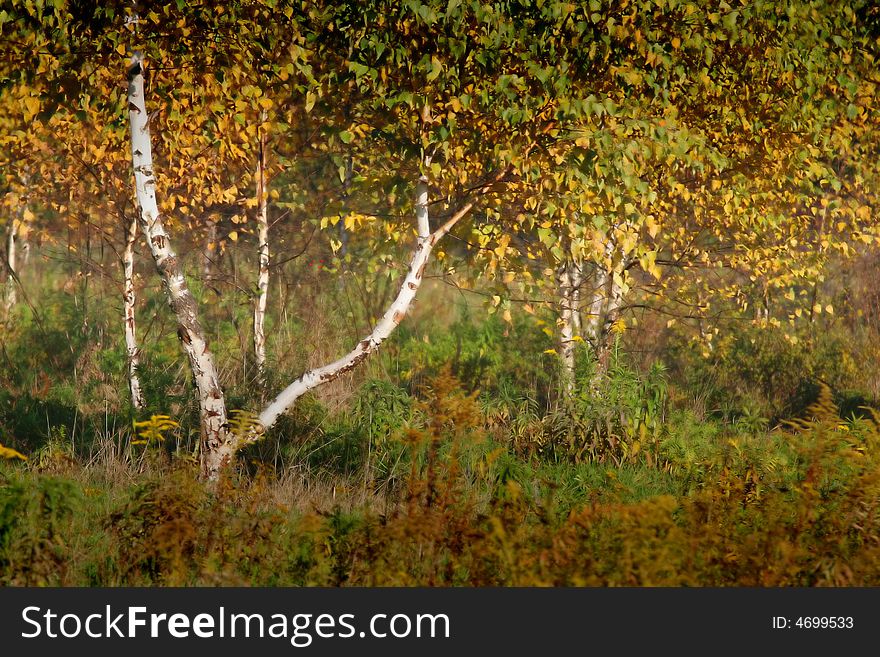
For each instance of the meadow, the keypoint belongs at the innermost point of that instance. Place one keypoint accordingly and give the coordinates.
(446, 461)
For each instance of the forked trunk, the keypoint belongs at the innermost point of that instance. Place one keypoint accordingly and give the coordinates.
(218, 444)
(216, 448)
(128, 299)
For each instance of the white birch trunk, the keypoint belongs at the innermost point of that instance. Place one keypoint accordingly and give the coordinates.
(576, 319)
(389, 321)
(216, 448)
(128, 299)
(566, 325)
(423, 225)
(612, 303)
(597, 301)
(11, 292)
(263, 252)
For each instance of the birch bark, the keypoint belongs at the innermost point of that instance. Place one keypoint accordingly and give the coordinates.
(216, 447)
(263, 253)
(128, 299)
(568, 280)
(11, 292)
(612, 303)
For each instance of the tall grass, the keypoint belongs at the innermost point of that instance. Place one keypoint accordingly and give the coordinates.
(449, 460)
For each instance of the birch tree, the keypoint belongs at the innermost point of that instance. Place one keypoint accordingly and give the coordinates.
(216, 449)
(132, 350)
(263, 254)
(678, 149)
(630, 138)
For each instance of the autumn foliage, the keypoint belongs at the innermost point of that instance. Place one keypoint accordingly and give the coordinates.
(461, 292)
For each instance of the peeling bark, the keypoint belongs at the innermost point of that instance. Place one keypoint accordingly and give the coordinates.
(128, 299)
(263, 251)
(216, 448)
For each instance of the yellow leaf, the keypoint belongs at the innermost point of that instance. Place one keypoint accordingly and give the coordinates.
(9, 453)
(552, 352)
(311, 99)
(829, 309)
(233, 236)
(32, 106)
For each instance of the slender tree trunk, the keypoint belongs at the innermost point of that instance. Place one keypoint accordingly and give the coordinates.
(216, 448)
(128, 299)
(16, 238)
(568, 278)
(576, 318)
(263, 250)
(597, 301)
(604, 338)
(11, 292)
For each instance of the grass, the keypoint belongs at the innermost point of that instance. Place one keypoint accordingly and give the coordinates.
(472, 517)
(448, 460)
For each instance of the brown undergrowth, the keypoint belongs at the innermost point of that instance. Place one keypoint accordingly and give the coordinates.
(459, 518)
